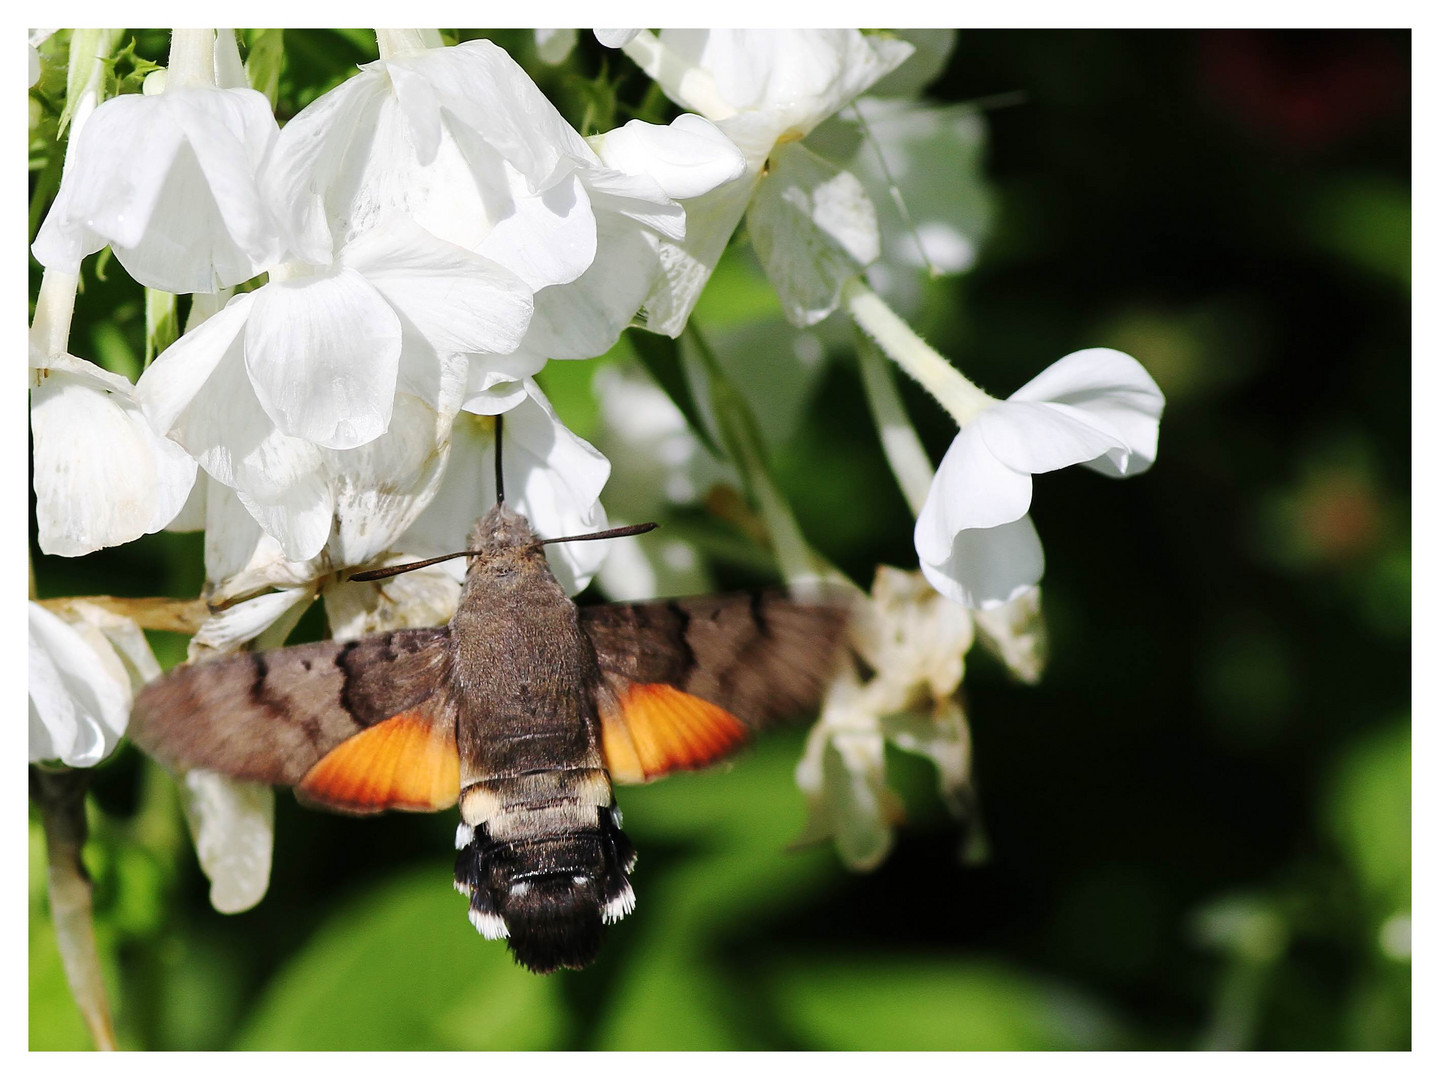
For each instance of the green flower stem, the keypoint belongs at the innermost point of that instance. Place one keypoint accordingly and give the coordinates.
(956, 394)
(903, 449)
(61, 796)
(741, 439)
(396, 43)
(694, 87)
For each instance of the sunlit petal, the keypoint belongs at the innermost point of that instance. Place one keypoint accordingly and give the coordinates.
(323, 354)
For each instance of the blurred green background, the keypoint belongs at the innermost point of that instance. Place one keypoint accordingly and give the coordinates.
(1198, 823)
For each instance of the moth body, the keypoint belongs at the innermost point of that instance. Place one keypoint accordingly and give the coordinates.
(543, 861)
(523, 708)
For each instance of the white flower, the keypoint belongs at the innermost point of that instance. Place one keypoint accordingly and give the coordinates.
(552, 476)
(461, 141)
(976, 543)
(169, 182)
(103, 476)
(341, 380)
(811, 223)
(84, 669)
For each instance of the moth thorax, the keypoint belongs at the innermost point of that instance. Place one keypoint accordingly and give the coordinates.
(550, 896)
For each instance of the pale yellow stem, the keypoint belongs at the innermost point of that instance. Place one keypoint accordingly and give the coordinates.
(956, 394)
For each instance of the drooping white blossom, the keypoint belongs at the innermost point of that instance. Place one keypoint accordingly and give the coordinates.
(185, 213)
(976, 542)
(85, 665)
(103, 476)
(811, 223)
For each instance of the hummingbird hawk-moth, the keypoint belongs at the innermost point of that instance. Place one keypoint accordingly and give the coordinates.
(524, 708)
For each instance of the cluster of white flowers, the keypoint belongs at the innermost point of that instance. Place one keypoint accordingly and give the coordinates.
(418, 243)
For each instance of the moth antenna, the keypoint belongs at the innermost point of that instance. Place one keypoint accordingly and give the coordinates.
(499, 473)
(405, 568)
(608, 534)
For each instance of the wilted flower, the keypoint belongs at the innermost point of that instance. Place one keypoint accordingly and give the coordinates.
(976, 543)
(913, 644)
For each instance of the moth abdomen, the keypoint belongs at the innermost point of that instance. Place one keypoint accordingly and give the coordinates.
(544, 881)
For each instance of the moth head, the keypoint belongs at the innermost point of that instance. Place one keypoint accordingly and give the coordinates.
(500, 529)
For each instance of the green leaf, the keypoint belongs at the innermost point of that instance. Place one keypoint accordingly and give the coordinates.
(264, 60)
(403, 969)
(930, 1004)
(1367, 810)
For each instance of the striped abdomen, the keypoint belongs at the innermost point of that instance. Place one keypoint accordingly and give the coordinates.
(544, 862)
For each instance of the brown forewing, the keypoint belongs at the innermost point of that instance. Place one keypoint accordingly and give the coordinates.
(269, 716)
(762, 655)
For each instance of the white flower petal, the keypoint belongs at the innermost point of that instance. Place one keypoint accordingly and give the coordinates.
(972, 489)
(323, 354)
(496, 384)
(1038, 436)
(103, 475)
(686, 159)
(986, 568)
(547, 238)
(314, 151)
(80, 692)
(686, 265)
(227, 630)
(169, 385)
(185, 216)
(813, 228)
(614, 39)
(489, 94)
(552, 476)
(796, 78)
(420, 598)
(233, 823)
(236, 549)
(456, 300)
(1112, 390)
(842, 775)
(586, 317)
(561, 476)
(221, 423)
(1015, 632)
(379, 489)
